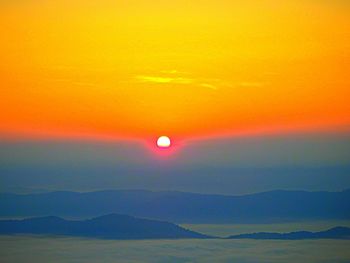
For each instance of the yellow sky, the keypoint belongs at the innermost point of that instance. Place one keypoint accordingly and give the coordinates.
(185, 69)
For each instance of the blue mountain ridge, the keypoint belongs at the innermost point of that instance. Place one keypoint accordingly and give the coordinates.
(124, 227)
(182, 207)
(112, 226)
(338, 232)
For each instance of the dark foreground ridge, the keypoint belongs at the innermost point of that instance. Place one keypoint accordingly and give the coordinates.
(111, 226)
(333, 233)
(115, 226)
(182, 207)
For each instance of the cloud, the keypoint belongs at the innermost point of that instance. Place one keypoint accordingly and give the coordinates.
(160, 79)
(171, 78)
(176, 77)
(207, 85)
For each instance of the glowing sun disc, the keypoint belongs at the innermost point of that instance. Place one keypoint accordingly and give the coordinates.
(163, 142)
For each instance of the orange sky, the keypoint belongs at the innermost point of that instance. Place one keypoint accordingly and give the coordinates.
(140, 69)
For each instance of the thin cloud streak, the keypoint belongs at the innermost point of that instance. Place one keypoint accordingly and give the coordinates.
(205, 83)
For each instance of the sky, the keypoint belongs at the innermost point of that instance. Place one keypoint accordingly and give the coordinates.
(247, 91)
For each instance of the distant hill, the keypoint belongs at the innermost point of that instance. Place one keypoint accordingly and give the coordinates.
(181, 207)
(115, 226)
(111, 226)
(333, 233)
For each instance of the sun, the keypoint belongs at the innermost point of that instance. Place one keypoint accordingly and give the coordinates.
(163, 142)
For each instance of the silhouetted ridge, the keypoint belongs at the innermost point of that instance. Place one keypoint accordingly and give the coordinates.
(182, 207)
(333, 233)
(111, 226)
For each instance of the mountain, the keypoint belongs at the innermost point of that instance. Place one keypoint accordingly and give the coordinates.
(333, 233)
(111, 226)
(182, 207)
